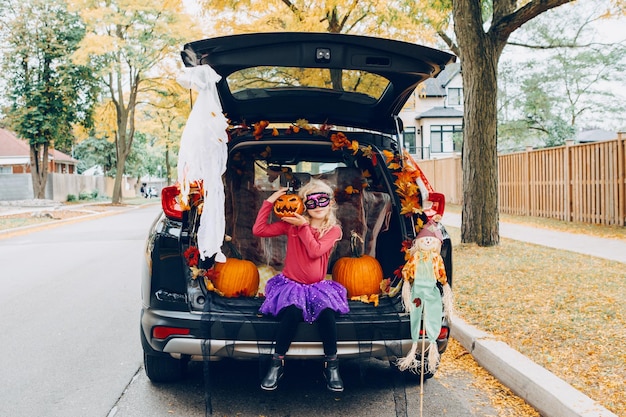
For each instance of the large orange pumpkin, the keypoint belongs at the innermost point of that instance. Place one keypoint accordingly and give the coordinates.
(360, 274)
(288, 204)
(236, 277)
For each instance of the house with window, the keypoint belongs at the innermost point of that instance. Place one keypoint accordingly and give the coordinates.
(433, 116)
(15, 157)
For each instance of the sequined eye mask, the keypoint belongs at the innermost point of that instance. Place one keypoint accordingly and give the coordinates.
(316, 200)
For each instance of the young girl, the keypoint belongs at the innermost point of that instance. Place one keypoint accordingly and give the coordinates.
(300, 292)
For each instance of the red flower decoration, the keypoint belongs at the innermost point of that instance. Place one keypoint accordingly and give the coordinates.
(417, 302)
(191, 255)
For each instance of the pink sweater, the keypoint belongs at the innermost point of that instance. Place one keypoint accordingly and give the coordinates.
(307, 254)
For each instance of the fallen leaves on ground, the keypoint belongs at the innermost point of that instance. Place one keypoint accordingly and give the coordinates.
(563, 310)
(457, 361)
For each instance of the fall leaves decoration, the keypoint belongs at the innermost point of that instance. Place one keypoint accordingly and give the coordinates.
(362, 275)
(194, 197)
(408, 176)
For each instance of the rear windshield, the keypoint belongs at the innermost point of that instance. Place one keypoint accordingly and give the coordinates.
(271, 177)
(285, 78)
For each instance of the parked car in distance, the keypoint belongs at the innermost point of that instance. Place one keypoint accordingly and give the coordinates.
(300, 106)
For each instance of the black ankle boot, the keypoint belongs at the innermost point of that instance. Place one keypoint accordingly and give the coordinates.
(331, 373)
(274, 374)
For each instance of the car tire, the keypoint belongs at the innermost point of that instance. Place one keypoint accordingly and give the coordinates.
(163, 368)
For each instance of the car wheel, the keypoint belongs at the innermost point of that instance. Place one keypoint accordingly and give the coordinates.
(163, 368)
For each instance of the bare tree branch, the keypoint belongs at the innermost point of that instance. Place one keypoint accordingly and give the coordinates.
(294, 9)
(504, 25)
(451, 44)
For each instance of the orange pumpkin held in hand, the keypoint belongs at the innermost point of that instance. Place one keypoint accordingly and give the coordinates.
(287, 205)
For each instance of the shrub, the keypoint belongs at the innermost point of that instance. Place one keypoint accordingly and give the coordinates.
(71, 197)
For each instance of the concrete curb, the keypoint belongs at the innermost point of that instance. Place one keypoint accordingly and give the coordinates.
(547, 393)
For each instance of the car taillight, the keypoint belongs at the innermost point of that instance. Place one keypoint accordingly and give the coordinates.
(170, 204)
(443, 334)
(162, 332)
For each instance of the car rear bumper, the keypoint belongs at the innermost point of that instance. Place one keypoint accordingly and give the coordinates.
(384, 334)
(197, 349)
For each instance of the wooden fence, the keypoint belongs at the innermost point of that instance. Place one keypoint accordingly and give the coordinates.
(581, 183)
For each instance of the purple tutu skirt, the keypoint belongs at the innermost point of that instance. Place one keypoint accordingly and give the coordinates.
(281, 292)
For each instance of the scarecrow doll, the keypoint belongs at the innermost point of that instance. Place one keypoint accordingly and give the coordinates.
(421, 296)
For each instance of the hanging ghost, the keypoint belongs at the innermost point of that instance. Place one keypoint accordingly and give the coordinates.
(202, 157)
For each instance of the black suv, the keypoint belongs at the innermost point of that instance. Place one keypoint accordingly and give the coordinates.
(300, 106)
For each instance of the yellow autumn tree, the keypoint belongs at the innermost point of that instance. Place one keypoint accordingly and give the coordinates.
(163, 116)
(400, 19)
(127, 41)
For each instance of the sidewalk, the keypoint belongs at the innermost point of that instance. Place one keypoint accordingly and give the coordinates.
(547, 393)
(26, 206)
(612, 249)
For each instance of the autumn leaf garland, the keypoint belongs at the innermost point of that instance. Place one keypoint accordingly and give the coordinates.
(402, 166)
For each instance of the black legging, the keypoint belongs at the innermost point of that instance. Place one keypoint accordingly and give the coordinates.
(290, 317)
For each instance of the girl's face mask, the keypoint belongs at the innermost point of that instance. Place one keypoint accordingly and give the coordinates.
(314, 200)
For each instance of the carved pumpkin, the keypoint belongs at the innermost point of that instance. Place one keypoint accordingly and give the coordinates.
(360, 274)
(287, 205)
(236, 277)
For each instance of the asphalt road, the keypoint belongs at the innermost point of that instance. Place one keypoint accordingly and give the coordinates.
(69, 320)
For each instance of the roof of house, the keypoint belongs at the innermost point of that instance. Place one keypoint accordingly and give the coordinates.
(436, 87)
(439, 113)
(595, 135)
(13, 148)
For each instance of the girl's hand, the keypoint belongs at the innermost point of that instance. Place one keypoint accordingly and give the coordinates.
(296, 220)
(272, 199)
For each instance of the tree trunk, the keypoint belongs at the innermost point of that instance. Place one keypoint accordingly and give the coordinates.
(168, 167)
(39, 169)
(480, 161)
(123, 142)
(479, 61)
(480, 52)
(117, 184)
